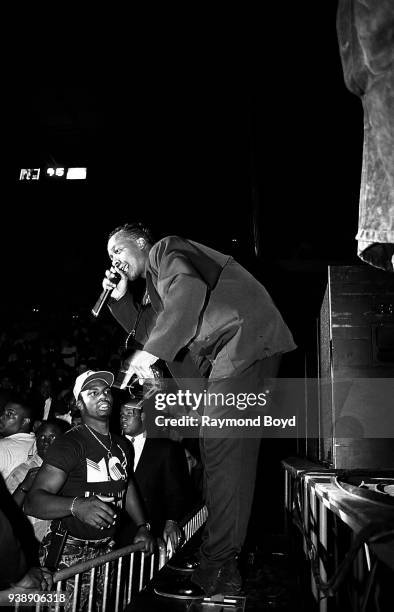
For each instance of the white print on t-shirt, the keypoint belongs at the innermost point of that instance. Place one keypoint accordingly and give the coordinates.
(115, 469)
(96, 472)
(110, 469)
(99, 472)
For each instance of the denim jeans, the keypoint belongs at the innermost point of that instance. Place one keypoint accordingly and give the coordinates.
(77, 551)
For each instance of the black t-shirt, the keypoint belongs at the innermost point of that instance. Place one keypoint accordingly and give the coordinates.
(92, 472)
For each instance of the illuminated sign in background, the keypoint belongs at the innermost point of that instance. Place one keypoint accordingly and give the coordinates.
(71, 174)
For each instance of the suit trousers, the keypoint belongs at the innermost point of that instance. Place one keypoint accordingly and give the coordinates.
(230, 463)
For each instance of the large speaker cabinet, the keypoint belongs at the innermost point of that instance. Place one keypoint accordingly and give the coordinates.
(356, 369)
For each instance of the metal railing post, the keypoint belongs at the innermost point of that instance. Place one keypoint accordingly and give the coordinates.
(58, 591)
(162, 553)
(152, 566)
(91, 587)
(142, 564)
(130, 586)
(118, 579)
(105, 589)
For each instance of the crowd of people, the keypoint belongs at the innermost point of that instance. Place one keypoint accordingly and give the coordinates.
(41, 355)
(48, 409)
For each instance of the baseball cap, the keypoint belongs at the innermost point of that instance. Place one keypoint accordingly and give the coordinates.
(86, 377)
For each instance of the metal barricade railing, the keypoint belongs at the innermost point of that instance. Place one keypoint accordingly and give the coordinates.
(126, 572)
(190, 524)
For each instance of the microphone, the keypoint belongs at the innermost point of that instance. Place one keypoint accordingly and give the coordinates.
(114, 278)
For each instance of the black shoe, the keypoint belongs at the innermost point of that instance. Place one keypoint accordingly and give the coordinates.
(227, 583)
(225, 580)
(179, 587)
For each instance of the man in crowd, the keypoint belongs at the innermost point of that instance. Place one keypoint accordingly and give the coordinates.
(84, 482)
(20, 480)
(209, 314)
(161, 474)
(17, 442)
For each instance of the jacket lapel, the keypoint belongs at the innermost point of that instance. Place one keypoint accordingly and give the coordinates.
(156, 302)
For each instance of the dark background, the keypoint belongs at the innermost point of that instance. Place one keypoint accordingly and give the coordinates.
(187, 128)
(194, 124)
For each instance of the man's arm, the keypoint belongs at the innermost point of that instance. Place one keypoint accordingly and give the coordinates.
(43, 502)
(133, 504)
(184, 295)
(6, 458)
(124, 310)
(136, 513)
(19, 493)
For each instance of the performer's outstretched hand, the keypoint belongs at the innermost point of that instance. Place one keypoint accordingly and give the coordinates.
(139, 364)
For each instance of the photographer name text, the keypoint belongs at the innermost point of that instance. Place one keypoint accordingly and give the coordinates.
(207, 421)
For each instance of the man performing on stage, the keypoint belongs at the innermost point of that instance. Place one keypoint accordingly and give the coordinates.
(202, 312)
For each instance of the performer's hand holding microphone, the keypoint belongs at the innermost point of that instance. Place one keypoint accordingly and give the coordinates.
(114, 285)
(140, 362)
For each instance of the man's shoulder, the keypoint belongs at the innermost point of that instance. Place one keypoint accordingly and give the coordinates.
(205, 259)
(167, 243)
(4, 442)
(70, 447)
(168, 240)
(18, 439)
(76, 436)
(21, 436)
(78, 432)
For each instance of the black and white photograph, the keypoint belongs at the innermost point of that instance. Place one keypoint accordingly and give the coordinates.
(197, 339)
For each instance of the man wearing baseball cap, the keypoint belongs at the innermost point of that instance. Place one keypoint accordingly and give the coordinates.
(84, 485)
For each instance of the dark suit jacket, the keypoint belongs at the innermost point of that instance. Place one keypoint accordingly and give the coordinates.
(207, 306)
(164, 484)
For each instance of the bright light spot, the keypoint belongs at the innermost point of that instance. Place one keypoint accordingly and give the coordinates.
(59, 171)
(29, 174)
(76, 174)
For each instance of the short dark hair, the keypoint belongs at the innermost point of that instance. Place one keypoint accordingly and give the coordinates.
(134, 230)
(29, 411)
(62, 425)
